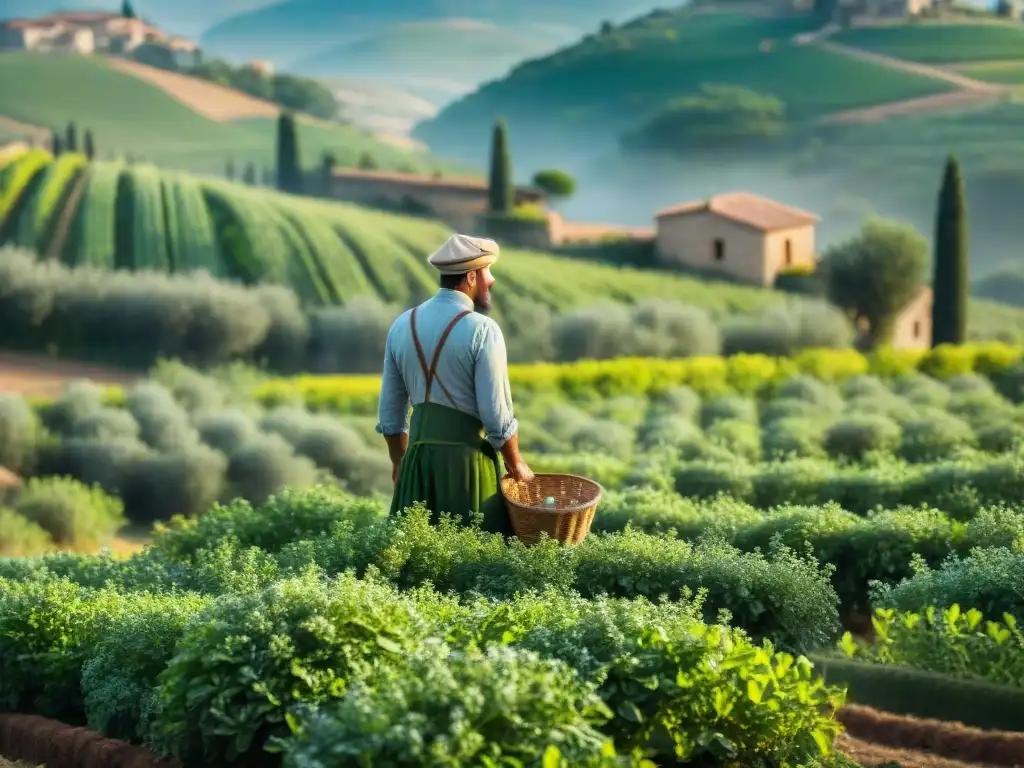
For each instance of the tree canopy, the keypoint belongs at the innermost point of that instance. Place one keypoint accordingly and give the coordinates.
(719, 116)
(555, 182)
(874, 275)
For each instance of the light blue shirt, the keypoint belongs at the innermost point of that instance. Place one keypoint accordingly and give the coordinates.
(473, 368)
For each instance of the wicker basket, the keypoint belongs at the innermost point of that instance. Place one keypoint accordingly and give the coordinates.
(569, 521)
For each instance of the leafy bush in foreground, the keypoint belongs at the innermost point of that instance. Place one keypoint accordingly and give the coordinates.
(250, 656)
(445, 707)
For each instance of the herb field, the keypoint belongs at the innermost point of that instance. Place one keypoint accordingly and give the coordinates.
(757, 512)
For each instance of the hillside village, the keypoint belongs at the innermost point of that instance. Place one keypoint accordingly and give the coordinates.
(86, 33)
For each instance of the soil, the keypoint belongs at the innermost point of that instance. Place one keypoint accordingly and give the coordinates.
(867, 754)
(37, 376)
(873, 738)
(934, 738)
(213, 101)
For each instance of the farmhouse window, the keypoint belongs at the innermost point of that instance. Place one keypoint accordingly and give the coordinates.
(789, 252)
(719, 253)
(917, 329)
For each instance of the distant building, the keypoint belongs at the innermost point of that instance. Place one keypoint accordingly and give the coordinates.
(746, 237)
(186, 53)
(854, 12)
(913, 327)
(261, 67)
(48, 36)
(88, 32)
(456, 201)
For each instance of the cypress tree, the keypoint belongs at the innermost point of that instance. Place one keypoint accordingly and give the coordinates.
(127, 11)
(229, 170)
(500, 190)
(327, 165)
(72, 137)
(88, 145)
(56, 144)
(288, 167)
(249, 174)
(951, 279)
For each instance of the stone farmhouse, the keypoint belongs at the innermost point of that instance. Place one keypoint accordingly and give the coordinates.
(91, 32)
(752, 239)
(747, 237)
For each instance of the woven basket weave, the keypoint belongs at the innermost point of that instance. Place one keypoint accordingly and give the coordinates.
(569, 522)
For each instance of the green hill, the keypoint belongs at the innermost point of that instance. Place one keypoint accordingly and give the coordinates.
(139, 217)
(292, 29)
(420, 56)
(129, 116)
(612, 83)
(941, 42)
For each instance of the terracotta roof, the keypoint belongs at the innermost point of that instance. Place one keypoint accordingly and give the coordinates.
(8, 479)
(80, 17)
(446, 182)
(746, 208)
(181, 44)
(30, 24)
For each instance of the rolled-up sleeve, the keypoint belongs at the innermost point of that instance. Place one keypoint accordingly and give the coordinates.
(493, 392)
(393, 408)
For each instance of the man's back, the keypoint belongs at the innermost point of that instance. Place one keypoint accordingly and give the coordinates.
(472, 368)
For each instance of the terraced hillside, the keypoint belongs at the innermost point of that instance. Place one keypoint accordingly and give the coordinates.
(132, 115)
(115, 216)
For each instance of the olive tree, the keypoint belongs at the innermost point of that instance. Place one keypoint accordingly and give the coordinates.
(875, 274)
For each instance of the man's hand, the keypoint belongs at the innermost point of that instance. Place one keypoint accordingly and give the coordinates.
(521, 472)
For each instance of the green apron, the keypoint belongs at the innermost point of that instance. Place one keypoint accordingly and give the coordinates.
(449, 466)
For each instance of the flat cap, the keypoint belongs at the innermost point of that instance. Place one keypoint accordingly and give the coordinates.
(462, 254)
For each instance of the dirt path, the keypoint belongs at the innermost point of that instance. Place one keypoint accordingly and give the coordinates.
(208, 99)
(14, 127)
(35, 376)
(956, 100)
(969, 93)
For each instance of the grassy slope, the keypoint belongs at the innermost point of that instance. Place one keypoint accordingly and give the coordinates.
(368, 252)
(462, 50)
(941, 42)
(129, 116)
(609, 84)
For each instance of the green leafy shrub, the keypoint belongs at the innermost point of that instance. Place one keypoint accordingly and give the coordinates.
(935, 436)
(291, 516)
(119, 678)
(69, 511)
(249, 657)
(19, 433)
(990, 580)
(781, 597)
(48, 629)
(792, 437)
(19, 536)
(443, 707)
(678, 689)
(853, 438)
(948, 641)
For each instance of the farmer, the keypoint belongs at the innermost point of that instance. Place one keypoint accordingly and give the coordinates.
(449, 359)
